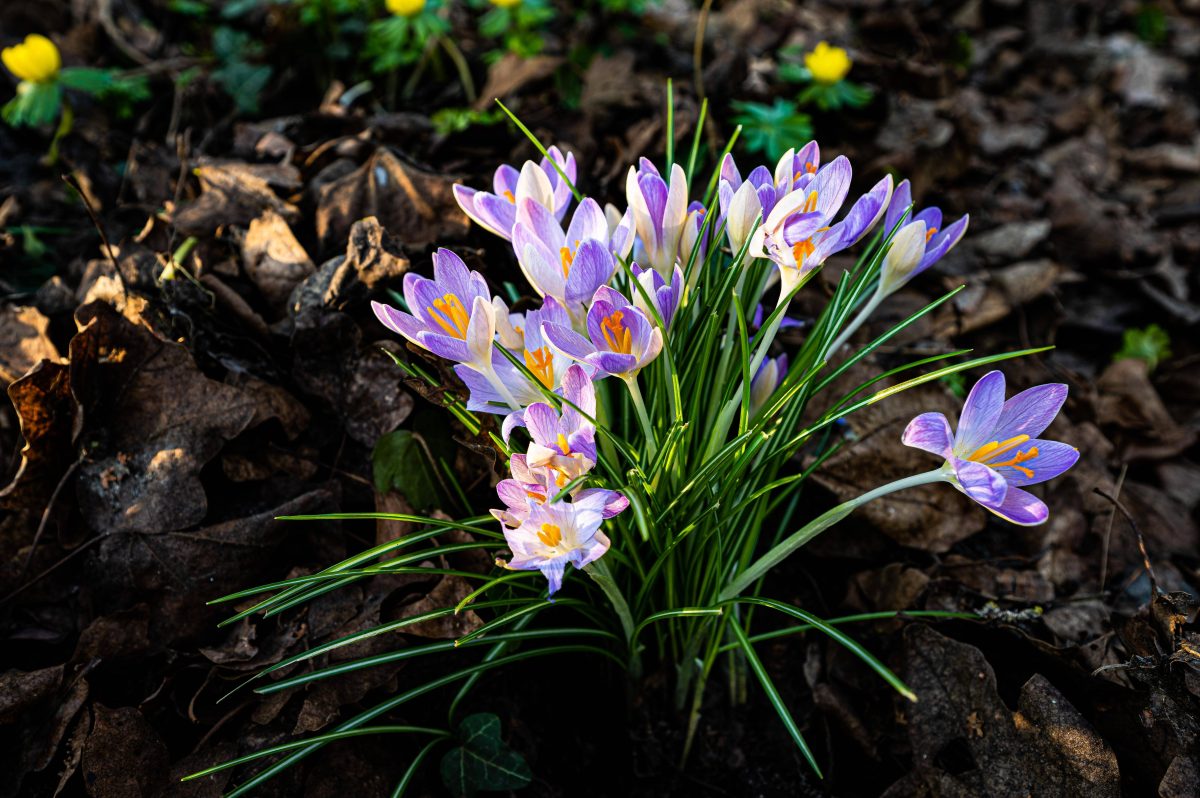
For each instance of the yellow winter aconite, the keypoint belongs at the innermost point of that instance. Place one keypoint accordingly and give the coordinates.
(506, 3)
(36, 59)
(405, 8)
(828, 65)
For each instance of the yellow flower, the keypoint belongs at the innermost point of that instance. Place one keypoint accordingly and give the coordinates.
(505, 3)
(828, 65)
(36, 59)
(405, 8)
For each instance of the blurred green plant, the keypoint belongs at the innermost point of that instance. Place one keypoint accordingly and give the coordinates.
(412, 28)
(1150, 24)
(236, 73)
(1151, 344)
(771, 129)
(456, 120)
(517, 24)
(823, 72)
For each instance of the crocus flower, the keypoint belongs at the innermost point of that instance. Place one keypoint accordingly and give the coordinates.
(743, 204)
(529, 486)
(659, 212)
(567, 266)
(621, 233)
(828, 65)
(35, 60)
(800, 232)
(565, 442)
(496, 212)
(557, 533)
(663, 296)
(770, 373)
(996, 450)
(916, 246)
(454, 317)
(694, 237)
(621, 339)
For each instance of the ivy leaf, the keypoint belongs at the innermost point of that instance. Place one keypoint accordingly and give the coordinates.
(771, 129)
(400, 463)
(483, 761)
(1152, 345)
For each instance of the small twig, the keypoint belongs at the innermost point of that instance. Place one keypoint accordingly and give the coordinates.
(1108, 532)
(1140, 541)
(71, 181)
(698, 49)
(37, 536)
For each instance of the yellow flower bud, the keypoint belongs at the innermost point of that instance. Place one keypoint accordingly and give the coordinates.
(505, 3)
(36, 59)
(828, 65)
(405, 8)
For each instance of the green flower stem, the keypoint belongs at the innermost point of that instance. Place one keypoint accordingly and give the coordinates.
(852, 328)
(635, 393)
(598, 571)
(797, 539)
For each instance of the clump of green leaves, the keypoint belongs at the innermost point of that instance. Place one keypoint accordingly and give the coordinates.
(771, 129)
(1151, 344)
(1150, 24)
(517, 24)
(237, 74)
(400, 39)
(456, 120)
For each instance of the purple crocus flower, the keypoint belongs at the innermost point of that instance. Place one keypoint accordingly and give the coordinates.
(796, 169)
(496, 211)
(565, 442)
(916, 246)
(621, 232)
(692, 240)
(506, 384)
(567, 266)
(663, 296)
(770, 374)
(996, 450)
(659, 212)
(800, 232)
(744, 204)
(622, 339)
(454, 317)
(530, 486)
(556, 533)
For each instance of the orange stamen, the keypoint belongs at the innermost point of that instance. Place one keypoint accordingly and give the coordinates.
(551, 535)
(508, 195)
(987, 453)
(567, 258)
(929, 234)
(449, 314)
(563, 446)
(541, 363)
(616, 334)
(810, 202)
(803, 249)
(810, 167)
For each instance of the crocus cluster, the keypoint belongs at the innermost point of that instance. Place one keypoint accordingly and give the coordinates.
(612, 284)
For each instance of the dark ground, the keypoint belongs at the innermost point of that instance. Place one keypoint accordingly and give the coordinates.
(166, 424)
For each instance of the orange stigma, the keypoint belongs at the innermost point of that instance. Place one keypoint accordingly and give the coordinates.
(541, 363)
(616, 334)
(449, 314)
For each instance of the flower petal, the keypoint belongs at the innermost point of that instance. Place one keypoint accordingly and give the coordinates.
(931, 432)
(1022, 508)
(979, 482)
(901, 199)
(981, 411)
(1031, 411)
(1052, 459)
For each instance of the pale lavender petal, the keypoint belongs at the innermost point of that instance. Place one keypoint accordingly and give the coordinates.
(592, 268)
(542, 422)
(553, 571)
(1022, 508)
(587, 222)
(979, 482)
(593, 550)
(495, 214)
(579, 390)
(1030, 411)
(567, 341)
(931, 432)
(398, 321)
(444, 346)
(513, 494)
(801, 226)
(901, 199)
(932, 217)
(505, 179)
(864, 213)
(1052, 459)
(980, 414)
(942, 243)
(602, 307)
(729, 172)
(541, 224)
(613, 362)
(832, 184)
(654, 191)
(483, 397)
(511, 422)
(808, 158)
